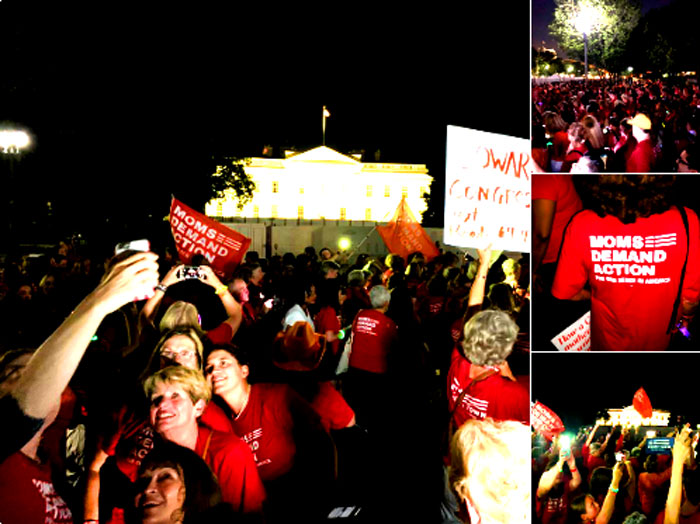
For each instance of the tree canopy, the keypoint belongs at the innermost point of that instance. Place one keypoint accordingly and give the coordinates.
(610, 23)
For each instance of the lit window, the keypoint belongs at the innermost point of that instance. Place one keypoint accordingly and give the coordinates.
(369, 191)
(387, 191)
(300, 212)
(219, 208)
(404, 191)
(301, 190)
(275, 187)
(274, 212)
(256, 211)
(343, 213)
(368, 214)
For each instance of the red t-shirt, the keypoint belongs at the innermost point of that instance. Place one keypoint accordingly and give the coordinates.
(496, 397)
(642, 158)
(266, 424)
(221, 334)
(129, 440)
(330, 405)
(634, 271)
(560, 189)
(27, 494)
(327, 320)
(373, 334)
(233, 464)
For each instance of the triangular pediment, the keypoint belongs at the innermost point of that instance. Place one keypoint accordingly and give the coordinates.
(322, 154)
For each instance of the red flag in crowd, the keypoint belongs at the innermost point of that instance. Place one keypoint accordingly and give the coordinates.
(545, 421)
(403, 235)
(195, 233)
(642, 404)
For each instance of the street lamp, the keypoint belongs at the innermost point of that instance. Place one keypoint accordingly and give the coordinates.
(587, 19)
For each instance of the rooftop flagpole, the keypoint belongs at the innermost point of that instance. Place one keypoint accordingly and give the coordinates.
(326, 114)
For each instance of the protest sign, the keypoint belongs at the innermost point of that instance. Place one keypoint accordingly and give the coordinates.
(403, 235)
(577, 337)
(196, 234)
(487, 190)
(545, 421)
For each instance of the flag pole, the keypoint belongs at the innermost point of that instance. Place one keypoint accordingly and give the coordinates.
(326, 114)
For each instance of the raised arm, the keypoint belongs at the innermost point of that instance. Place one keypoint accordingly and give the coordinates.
(477, 291)
(682, 451)
(608, 507)
(50, 369)
(150, 308)
(231, 305)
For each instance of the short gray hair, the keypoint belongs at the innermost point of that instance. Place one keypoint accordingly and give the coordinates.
(489, 337)
(379, 296)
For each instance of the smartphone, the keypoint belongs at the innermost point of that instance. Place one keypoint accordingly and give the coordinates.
(660, 446)
(190, 272)
(134, 245)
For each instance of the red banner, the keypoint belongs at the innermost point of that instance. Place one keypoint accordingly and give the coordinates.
(403, 235)
(545, 421)
(196, 234)
(642, 404)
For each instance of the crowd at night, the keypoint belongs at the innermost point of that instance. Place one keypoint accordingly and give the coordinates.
(282, 325)
(616, 126)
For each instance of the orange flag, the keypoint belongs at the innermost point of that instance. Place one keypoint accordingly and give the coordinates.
(403, 235)
(642, 404)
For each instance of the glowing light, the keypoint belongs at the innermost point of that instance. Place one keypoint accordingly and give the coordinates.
(587, 19)
(344, 243)
(565, 441)
(630, 69)
(570, 69)
(13, 140)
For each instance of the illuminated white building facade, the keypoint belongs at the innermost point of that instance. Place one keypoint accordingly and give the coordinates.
(629, 417)
(324, 184)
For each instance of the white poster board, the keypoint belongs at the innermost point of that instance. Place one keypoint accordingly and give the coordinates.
(577, 337)
(487, 190)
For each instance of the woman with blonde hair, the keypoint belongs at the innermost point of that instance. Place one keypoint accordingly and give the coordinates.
(490, 471)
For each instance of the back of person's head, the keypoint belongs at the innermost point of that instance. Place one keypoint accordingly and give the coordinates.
(501, 297)
(489, 337)
(553, 122)
(180, 314)
(192, 381)
(636, 517)
(577, 133)
(490, 469)
(627, 197)
(329, 265)
(357, 278)
(379, 297)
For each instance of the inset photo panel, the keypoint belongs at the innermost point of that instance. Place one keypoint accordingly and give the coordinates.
(615, 262)
(614, 438)
(614, 86)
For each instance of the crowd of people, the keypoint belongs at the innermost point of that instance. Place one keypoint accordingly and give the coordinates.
(139, 389)
(616, 126)
(628, 475)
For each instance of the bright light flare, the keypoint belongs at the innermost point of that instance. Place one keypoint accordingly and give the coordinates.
(12, 140)
(587, 19)
(344, 243)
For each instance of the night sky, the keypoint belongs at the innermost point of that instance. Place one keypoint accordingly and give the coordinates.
(123, 101)
(577, 385)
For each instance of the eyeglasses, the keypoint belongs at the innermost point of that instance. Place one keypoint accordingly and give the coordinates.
(175, 354)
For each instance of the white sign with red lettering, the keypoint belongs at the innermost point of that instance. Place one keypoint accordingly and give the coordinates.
(487, 190)
(577, 337)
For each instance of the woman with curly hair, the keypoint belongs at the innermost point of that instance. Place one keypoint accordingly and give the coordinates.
(635, 255)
